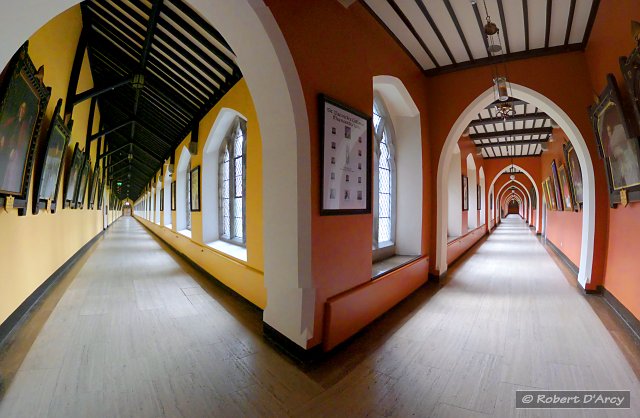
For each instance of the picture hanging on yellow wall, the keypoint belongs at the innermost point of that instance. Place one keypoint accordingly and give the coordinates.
(173, 195)
(73, 176)
(49, 169)
(195, 189)
(23, 101)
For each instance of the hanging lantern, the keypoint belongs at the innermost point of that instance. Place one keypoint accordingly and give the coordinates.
(502, 91)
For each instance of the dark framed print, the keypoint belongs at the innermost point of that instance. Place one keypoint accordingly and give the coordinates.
(575, 174)
(23, 102)
(555, 180)
(534, 198)
(162, 199)
(617, 144)
(49, 169)
(195, 189)
(73, 175)
(345, 149)
(101, 187)
(465, 193)
(93, 188)
(173, 195)
(479, 197)
(82, 183)
(550, 193)
(630, 68)
(491, 201)
(567, 197)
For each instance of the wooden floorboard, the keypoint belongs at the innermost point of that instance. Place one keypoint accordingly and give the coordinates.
(140, 333)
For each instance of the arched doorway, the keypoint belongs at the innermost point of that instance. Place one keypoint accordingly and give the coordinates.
(262, 54)
(574, 135)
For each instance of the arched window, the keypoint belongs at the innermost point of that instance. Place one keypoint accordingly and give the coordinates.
(384, 178)
(232, 184)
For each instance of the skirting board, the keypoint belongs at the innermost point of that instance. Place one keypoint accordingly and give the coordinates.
(22, 312)
(627, 317)
(574, 269)
(302, 356)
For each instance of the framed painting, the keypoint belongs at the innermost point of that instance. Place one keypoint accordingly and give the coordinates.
(567, 197)
(555, 181)
(23, 102)
(617, 144)
(534, 198)
(173, 195)
(195, 189)
(345, 159)
(491, 201)
(93, 188)
(49, 169)
(101, 187)
(630, 68)
(478, 197)
(82, 184)
(73, 175)
(465, 193)
(575, 175)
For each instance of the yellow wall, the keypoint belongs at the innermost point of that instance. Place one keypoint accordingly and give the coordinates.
(246, 278)
(32, 247)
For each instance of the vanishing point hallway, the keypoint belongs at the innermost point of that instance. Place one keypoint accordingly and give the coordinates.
(139, 333)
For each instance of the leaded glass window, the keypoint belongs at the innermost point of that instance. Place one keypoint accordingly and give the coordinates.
(384, 177)
(232, 184)
(188, 210)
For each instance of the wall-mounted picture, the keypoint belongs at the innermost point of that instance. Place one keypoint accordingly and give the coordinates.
(173, 195)
(73, 175)
(465, 193)
(567, 198)
(23, 101)
(556, 190)
(550, 191)
(630, 68)
(491, 201)
(93, 188)
(162, 199)
(534, 198)
(479, 197)
(575, 175)
(195, 189)
(82, 184)
(345, 155)
(616, 143)
(51, 163)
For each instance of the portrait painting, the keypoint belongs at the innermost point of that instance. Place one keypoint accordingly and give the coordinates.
(567, 198)
(465, 193)
(82, 185)
(555, 181)
(575, 174)
(617, 143)
(95, 181)
(18, 117)
(195, 189)
(77, 161)
(479, 197)
(534, 198)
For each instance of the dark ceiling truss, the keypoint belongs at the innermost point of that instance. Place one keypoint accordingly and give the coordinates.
(158, 69)
(449, 49)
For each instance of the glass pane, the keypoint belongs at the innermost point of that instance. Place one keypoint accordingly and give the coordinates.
(376, 119)
(384, 182)
(237, 146)
(384, 229)
(238, 177)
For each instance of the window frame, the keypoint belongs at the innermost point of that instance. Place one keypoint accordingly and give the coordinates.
(228, 144)
(385, 249)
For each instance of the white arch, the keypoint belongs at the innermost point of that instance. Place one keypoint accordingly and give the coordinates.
(405, 119)
(268, 68)
(210, 154)
(574, 135)
(523, 189)
(181, 189)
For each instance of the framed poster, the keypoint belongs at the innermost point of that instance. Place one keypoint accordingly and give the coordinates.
(575, 174)
(617, 144)
(491, 201)
(555, 180)
(23, 102)
(479, 197)
(173, 195)
(82, 183)
(73, 176)
(51, 163)
(465, 193)
(345, 158)
(195, 189)
(567, 198)
(534, 198)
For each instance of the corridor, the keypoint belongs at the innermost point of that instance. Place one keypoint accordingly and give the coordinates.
(139, 333)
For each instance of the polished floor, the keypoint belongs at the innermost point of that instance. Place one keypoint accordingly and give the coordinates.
(139, 333)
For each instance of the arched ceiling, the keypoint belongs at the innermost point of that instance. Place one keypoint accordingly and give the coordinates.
(448, 35)
(186, 67)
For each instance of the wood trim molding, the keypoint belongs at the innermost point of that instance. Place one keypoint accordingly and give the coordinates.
(627, 317)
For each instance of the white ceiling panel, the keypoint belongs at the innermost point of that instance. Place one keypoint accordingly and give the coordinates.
(580, 20)
(470, 29)
(428, 35)
(537, 23)
(559, 17)
(515, 17)
(447, 29)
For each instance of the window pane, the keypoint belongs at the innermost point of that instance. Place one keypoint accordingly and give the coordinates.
(384, 229)
(225, 195)
(237, 214)
(238, 177)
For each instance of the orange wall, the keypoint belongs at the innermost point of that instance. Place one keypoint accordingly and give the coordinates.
(350, 47)
(569, 87)
(610, 39)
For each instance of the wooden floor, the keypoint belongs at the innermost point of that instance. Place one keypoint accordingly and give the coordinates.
(139, 333)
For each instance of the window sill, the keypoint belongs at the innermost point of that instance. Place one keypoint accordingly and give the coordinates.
(383, 267)
(169, 226)
(229, 249)
(185, 232)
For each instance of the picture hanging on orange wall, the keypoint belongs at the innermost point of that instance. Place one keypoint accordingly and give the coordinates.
(574, 173)
(556, 190)
(617, 142)
(567, 198)
(630, 67)
(465, 193)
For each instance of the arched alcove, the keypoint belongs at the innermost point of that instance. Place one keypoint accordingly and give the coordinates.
(511, 166)
(472, 181)
(574, 135)
(454, 195)
(405, 119)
